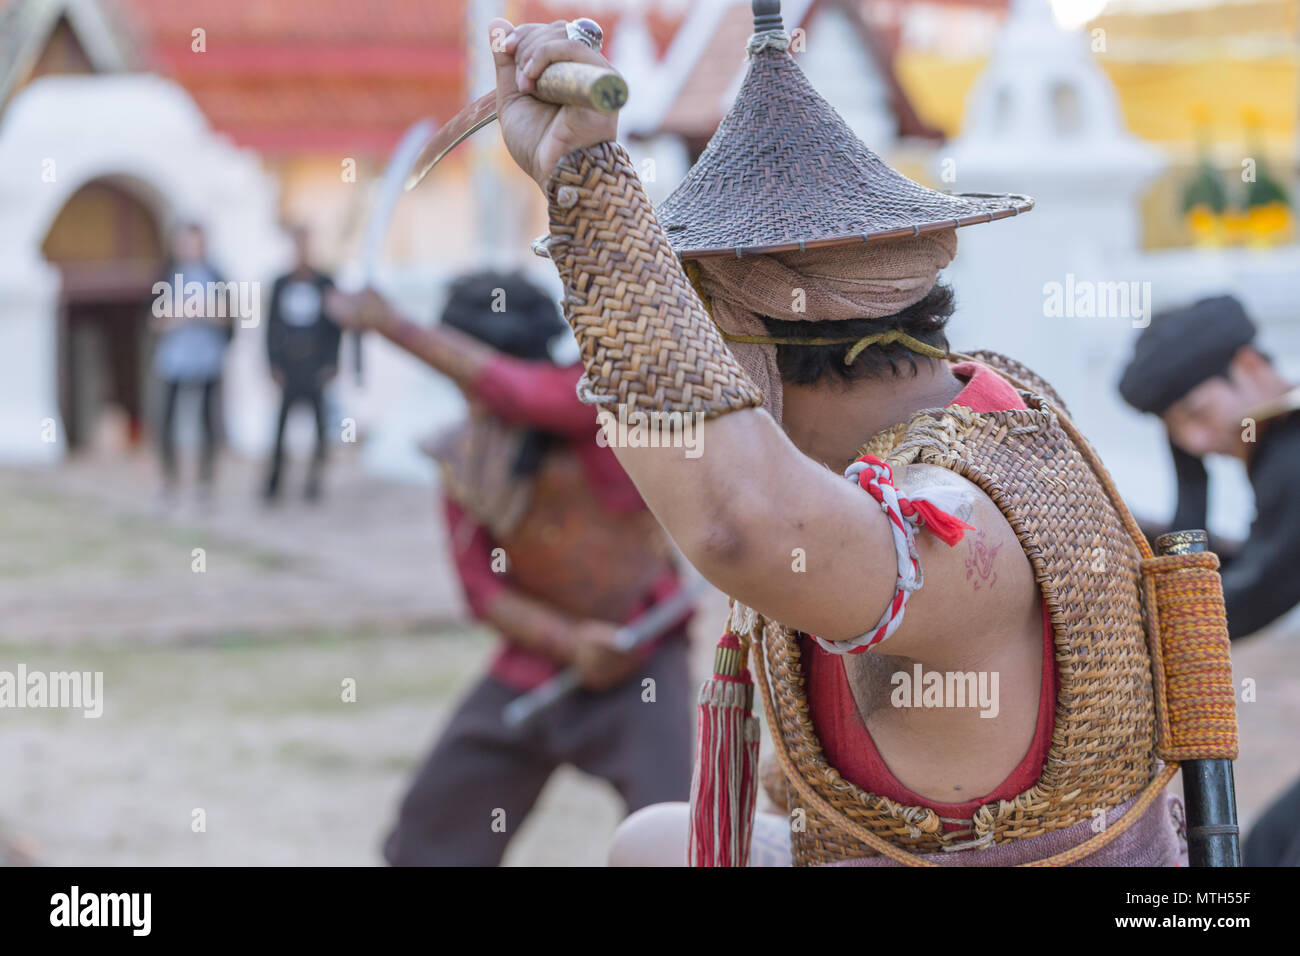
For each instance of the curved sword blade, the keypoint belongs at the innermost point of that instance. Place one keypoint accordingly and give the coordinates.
(390, 190)
(461, 126)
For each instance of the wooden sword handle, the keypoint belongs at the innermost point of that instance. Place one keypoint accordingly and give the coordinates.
(581, 84)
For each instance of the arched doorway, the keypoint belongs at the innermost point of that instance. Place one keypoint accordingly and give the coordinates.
(108, 247)
(141, 135)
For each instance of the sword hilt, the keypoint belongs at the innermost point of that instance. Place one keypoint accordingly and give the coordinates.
(1209, 792)
(562, 84)
(581, 84)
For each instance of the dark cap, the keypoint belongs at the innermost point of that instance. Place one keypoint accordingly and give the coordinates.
(1181, 348)
(506, 311)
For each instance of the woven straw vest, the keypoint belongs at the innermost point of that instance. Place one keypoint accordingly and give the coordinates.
(1103, 748)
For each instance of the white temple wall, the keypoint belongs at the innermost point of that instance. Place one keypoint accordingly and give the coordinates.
(144, 132)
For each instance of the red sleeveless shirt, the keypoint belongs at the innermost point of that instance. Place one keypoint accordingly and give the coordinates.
(844, 736)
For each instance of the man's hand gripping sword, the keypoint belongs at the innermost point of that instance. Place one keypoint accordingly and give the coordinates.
(588, 85)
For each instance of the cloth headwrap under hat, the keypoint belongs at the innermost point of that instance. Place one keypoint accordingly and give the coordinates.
(867, 281)
(1181, 348)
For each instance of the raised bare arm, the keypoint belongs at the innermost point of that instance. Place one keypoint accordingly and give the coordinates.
(741, 509)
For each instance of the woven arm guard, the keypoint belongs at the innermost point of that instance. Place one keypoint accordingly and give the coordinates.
(646, 340)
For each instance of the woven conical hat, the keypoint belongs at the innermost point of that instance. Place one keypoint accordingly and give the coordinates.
(784, 172)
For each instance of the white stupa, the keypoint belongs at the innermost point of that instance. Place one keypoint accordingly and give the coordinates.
(1044, 119)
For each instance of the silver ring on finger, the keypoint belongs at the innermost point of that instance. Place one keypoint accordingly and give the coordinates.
(585, 30)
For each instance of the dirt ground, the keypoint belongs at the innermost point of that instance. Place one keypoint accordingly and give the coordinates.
(257, 736)
(223, 687)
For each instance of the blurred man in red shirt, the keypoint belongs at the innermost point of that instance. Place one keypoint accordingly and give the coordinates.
(556, 550)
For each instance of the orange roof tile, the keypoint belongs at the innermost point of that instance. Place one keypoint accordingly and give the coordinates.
(699, 105)
(310, 75)
(294, 76)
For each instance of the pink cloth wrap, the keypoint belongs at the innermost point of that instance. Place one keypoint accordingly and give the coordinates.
(867, 281)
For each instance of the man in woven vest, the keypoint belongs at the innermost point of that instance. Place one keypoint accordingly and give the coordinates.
(949, 645)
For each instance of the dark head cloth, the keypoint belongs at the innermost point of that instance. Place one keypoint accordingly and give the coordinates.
(1181, 348)
(506, 311)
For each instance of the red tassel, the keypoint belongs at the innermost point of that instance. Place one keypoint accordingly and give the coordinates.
(724, 791)
(947, 528)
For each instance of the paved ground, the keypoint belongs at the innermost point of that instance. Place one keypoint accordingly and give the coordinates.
(223, 688)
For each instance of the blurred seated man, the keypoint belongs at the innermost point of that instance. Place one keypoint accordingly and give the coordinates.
(302, 345)
(555, 550)
(1217, 394)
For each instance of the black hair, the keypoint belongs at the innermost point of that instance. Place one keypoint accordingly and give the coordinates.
(508, 312)
(924, 321)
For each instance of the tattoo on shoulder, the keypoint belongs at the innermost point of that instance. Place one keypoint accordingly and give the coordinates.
(980, 560)
(982, 549)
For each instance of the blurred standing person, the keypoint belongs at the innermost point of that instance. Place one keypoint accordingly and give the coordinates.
(190, 355)
(555, 550)
(1217, 394)
(302, 344)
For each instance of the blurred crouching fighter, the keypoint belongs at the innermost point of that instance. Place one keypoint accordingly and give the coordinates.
(555, 550)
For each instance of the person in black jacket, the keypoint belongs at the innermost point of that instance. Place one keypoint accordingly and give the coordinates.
(302, 344)
(1199, 370)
